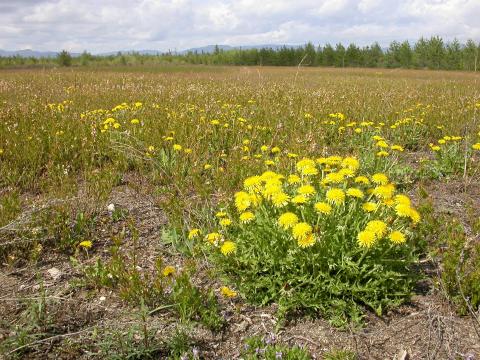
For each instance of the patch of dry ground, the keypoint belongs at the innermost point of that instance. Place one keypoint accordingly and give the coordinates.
(427, 328)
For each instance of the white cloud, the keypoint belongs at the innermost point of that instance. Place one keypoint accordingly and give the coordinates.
(109, 25)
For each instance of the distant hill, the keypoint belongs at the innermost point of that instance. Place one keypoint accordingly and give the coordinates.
(204, 49)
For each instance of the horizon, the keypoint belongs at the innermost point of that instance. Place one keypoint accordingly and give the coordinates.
(55, 25)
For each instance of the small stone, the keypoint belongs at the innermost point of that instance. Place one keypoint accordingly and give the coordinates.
(54, 273)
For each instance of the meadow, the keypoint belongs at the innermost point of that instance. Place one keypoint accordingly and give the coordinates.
(214, 212)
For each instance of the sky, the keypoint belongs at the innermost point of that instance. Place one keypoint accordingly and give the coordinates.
(111, 25)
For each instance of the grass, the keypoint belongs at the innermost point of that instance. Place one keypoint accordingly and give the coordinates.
(187, 137)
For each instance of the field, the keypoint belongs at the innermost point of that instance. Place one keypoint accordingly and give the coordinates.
(192, 212)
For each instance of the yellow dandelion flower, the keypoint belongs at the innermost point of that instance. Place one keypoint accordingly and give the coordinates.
(306, 190)
(362, 180)
(476, 146)
(382, 144)
(402, 199)
(252, 183)
(228, 247)
(334, 177)
(382, 154)
(294, 179)
(323, 208)
(177, 147)
(397, 237)
(403, 210)
(193, 233)
(346, 173)
(287, 220)
(335, 196)
(227, 292)
(306, 241)
(275, 150)
(246, 217)
(134, 121)
(169, 270)
(366, 238)
(301, 230)
(242, 201)
(299, 199)
(380, 179)
(225, 222)
(350, 163)
(280, 199)
(213, 238)
(369, 206)
(356, 193)
(384, 191)
(415, 216)
(86, 244)
(378, 227)
(397, 148)
(221, 214)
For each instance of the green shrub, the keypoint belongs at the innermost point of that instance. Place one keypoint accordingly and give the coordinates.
(323, 239)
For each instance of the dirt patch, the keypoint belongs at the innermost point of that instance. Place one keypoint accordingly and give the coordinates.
(427, 328)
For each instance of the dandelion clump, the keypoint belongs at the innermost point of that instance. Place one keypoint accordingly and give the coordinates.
(325, 237)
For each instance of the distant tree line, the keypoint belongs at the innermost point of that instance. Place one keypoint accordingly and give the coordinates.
(431, 53)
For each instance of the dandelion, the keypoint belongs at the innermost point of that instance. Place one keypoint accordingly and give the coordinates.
(134, 121)
(397, 148)
(287, 220)
(227, 292)
(306, 190)
(213, 238)
(402, 199)
(476, 146)
(382, 154)
(397, 237)
(369, 206)
(378, 227)
(169, 270)
(193, 233)
(252, 183)
(299, 199)
(355, 193)
(350, 163)
(207, 167)
(362, 180)
(228, 247)
(225, 222)
(86, 244)
(403, 210)
(177, 147)
(323, 208)
(246, 217)
(366, 238)
(275, 150)
(306, 241)
(384, 191)
(335, 196)
(301, 230)
(294, 179)
(380, 179)
(415, 216)
(242, 201)
(151, 149)
(280, 199)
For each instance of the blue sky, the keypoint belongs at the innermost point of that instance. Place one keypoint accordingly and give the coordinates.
(109, 25)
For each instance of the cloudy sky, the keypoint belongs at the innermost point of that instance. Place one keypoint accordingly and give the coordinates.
(109, 25)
